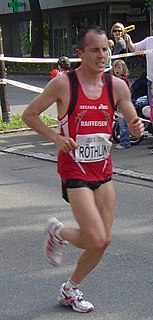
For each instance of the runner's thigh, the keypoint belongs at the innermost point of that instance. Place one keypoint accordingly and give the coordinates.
(105, 201)
(86, 213)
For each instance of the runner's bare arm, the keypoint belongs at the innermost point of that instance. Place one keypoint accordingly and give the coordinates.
(55, 91)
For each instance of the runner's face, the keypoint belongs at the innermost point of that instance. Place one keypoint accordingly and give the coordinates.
(95, 54)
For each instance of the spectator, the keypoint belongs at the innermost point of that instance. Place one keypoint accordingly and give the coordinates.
(120, 70)
(110, 44)
(145, 44)
(151, 111)
(63, 65)
(110, 48)
(117, 32)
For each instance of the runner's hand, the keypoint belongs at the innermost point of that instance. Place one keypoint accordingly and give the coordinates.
(65, 144)
(136, 127)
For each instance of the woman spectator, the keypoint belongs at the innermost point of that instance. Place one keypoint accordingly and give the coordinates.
(117, 32)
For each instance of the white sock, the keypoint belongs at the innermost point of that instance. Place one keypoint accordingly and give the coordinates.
(70, 284)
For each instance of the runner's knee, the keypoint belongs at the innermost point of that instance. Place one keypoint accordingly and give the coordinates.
(99, 241)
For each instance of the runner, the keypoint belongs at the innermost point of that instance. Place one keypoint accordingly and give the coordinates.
(85, 110)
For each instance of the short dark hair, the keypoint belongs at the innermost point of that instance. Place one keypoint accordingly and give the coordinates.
(64, 62)
(84, 31)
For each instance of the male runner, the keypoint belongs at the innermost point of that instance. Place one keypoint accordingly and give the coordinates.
(85, 109)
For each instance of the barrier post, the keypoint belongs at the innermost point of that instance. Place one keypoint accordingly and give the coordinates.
(3, 94)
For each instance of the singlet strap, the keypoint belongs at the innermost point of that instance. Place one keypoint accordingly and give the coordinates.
(74, 90)
(108, 80)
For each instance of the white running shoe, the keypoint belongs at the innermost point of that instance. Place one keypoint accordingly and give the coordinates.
(74, 297)
(53, 245)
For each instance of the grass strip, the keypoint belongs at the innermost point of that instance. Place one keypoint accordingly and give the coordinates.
(17, 123)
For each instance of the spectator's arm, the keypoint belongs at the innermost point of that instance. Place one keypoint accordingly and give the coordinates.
(129, 42)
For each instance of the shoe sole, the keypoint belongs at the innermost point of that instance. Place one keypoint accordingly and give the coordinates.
(63, 302)
(49, 260)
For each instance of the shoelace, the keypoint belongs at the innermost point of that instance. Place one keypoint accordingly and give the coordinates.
(76, 294)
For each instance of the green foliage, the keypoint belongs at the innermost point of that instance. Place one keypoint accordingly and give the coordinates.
(17, 123)
(28, 68)
(149, 3)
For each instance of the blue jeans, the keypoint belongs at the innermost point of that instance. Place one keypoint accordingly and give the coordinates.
(124, 133)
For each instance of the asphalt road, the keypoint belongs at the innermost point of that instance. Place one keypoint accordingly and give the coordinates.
(121, 287)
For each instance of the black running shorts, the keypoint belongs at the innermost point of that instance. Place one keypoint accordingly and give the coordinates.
(79, 183)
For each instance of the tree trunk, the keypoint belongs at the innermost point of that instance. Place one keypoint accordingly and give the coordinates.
(37, 29)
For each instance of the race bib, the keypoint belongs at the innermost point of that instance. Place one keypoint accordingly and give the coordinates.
(93, 147)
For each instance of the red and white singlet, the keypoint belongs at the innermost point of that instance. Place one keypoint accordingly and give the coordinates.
(89, 122)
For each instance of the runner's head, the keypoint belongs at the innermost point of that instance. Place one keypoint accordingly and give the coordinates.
(81, 41)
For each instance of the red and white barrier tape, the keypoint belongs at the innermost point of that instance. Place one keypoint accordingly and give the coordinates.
(54, 60)
(35, 60)
(21, 85)
(130, 54)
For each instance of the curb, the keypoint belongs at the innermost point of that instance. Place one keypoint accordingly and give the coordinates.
(53, 158)
(133, 174)
(15, 130)
(42, 156)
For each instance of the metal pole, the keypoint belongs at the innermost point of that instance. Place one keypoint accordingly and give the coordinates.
(3, 94)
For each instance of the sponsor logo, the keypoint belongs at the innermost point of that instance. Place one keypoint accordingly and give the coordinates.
(103, 106)
(85, 107)
(93, 123)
